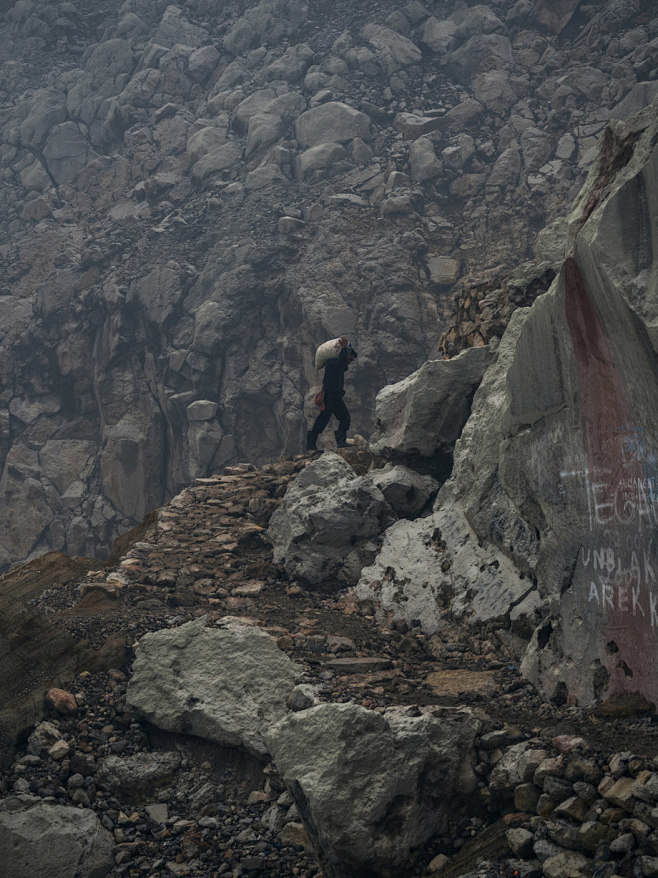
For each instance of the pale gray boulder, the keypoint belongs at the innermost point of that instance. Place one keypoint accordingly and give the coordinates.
(328, 524)
(536, 147)
(406, 491)
(477, 20)
(331, 122)
(459, 152)
(205, 140)
(202, 63)
(435, 565)
(47, 109)
(42, 840)
(423, 161)
(494, 91)
(506, 169)
(291, 66)
(267, 117)
(369, 787)
(221, 158)
(35, 177)
(264, 130)
(66, 152)
(174, 29)
(139, 775)
(394, 50)
(481, 53)
(264, 176)
(555, 16)
(258, 102)
(639, 97)
(438, 35)
(427, 410)
(324, 155)
(43, 737)
(226, 685)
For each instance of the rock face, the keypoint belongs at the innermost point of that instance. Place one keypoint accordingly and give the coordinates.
(554, 472)
(193, 197)
(328, 524)
(372, 787)
(40, 839)
(224, 685)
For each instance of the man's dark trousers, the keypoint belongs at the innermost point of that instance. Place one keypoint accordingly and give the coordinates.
(333, 405)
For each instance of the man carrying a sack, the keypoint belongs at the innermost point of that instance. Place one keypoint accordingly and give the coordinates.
(330, 398)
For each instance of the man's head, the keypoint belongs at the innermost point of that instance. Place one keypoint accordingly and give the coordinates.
(351, 354)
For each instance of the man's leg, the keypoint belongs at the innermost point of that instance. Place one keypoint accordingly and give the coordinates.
(344, 421)
(320, 423)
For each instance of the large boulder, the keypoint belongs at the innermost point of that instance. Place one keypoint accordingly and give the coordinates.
(331, 122)
(369, 787)
(427, 410)
(423, 161)
(435, 567)
(42, 840)
(555, 15)
(394, 50)
(226, 685)
(481, 53)
(328, 524)
(66, 152)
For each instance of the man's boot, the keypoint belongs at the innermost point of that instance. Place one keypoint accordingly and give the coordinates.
(341, 439)
(311, 439)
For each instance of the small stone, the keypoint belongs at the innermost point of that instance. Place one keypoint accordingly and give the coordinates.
(619, 793)
(301, 697)
(526, 796)
(545, 805)
(592, 833)
(648, 866)
(520, 841)
(549, 767)
(567, 865)
(623, 844)
(438, 864)
(585, 791)
(557, 788)
(59, 750)
(295, 834)
(158, 812)
(573, 807)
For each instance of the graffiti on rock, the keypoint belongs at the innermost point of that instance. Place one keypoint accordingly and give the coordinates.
(616, 575)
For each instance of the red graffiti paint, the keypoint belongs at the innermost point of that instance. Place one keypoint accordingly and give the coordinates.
(614, 472)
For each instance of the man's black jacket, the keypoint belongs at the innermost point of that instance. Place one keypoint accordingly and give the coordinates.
(334, 374)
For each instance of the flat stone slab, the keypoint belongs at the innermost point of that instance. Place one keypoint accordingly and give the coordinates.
(456, 682)
(364, 665)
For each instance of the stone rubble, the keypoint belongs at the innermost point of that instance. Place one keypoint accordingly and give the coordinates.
(550, 789)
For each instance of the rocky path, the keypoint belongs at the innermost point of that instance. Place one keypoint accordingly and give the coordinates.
(552, 798)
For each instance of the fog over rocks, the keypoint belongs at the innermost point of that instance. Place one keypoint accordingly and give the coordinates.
(193, 197)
